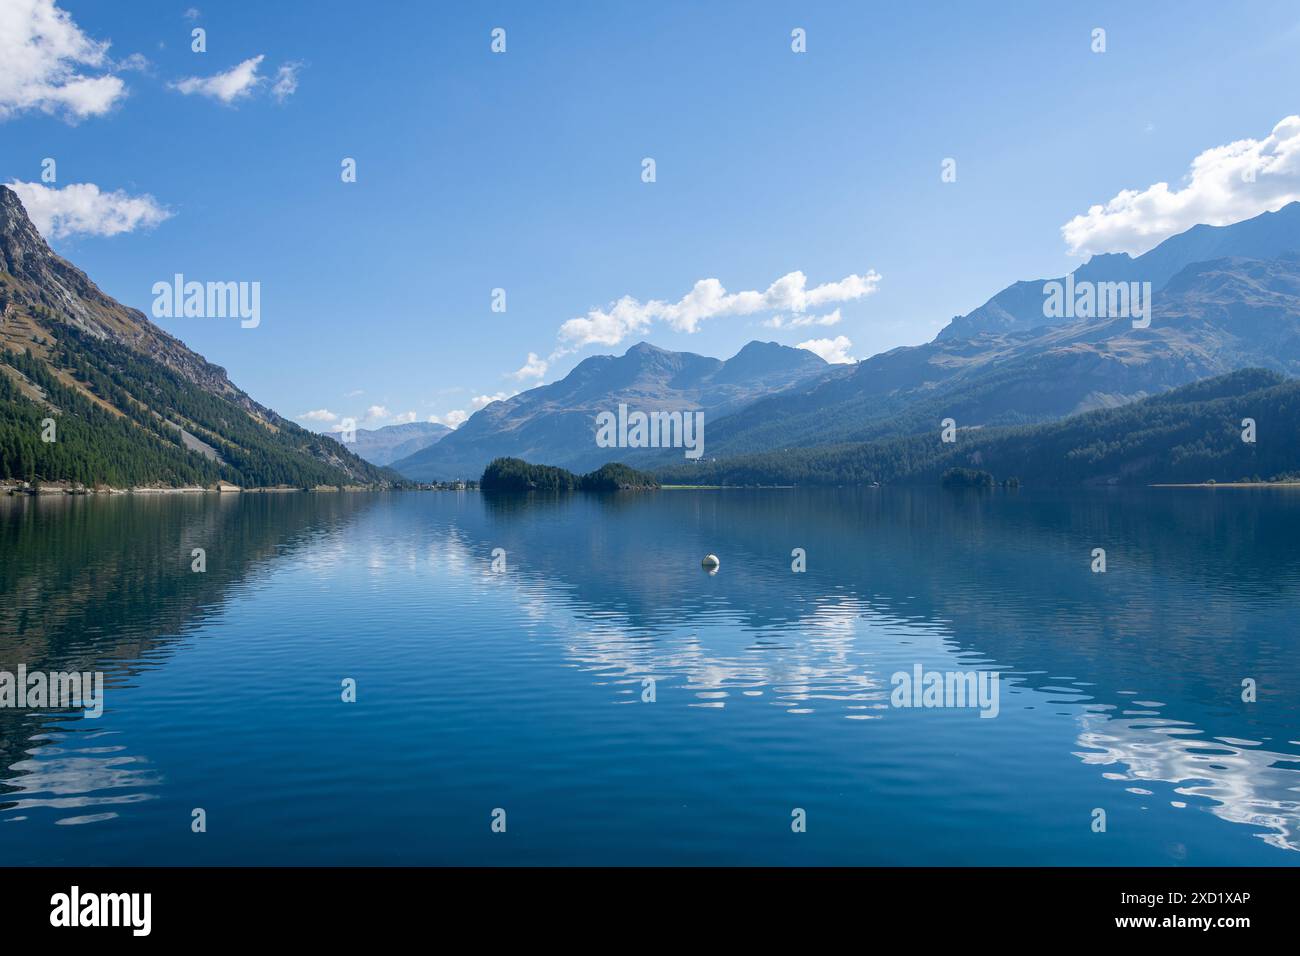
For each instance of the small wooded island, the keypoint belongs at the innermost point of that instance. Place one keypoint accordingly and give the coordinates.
(515, 474)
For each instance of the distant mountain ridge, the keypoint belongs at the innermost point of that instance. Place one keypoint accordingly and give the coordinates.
(1209, 318)
(383, 446)
(1020, 306)
(555, 424)
(1224, 298)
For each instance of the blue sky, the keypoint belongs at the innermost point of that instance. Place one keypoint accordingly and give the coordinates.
(523, 170)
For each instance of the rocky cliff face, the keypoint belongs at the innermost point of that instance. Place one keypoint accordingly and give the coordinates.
(51, 281)
(52, 310)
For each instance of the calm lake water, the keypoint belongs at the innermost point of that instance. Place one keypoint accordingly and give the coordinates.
(523, 689)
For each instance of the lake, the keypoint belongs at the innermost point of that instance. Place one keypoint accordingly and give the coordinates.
(590, 687)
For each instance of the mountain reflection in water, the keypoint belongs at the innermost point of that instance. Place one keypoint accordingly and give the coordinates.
(771, 689)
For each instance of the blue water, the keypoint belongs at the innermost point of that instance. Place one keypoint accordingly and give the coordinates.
(522, 689)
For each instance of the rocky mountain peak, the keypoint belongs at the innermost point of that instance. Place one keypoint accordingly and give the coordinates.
(65, 294)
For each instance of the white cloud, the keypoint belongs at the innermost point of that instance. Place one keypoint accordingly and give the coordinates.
(375, 415)
(708, 299)
(830, 318)
(453, 419)
(354, 393)
(235, 83)
(80, 209)
(803, 321)
(42, 53)
(286, 81)
(534, 367)
(835, 351)
(136, 62)
(1217, 191)
(192, 13)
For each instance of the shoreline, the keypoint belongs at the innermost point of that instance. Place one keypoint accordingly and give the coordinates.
(68, 489)
(1228, 484)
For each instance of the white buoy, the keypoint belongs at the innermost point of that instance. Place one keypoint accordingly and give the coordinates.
(710, 561)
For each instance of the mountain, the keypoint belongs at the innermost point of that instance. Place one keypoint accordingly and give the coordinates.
(132, 405)
(1223, 298)
(1020, 305)
(556, 424)
(383, 446)
(1190, 434)
(1210, 318)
